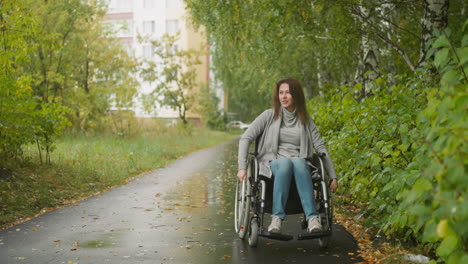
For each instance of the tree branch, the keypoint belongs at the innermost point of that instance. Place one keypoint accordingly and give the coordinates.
(399, 49)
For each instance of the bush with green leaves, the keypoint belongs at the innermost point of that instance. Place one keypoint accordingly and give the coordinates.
(49, 123)
(403, 151)
(17, 109)
(209, 109)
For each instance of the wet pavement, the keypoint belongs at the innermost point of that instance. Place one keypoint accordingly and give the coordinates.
(180, 214)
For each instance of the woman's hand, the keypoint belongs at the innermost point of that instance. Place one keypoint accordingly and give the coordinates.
(242, 174)
(333, 185)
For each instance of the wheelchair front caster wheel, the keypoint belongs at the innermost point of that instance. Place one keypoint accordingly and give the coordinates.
(324, 241)
(253, 232)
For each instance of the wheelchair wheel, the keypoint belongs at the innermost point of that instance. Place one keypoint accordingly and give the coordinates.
(242, 208)
(324, 241)
(253, 232)
(327, 222)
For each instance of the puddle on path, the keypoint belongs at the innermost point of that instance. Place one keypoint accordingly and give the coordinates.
(103, 240)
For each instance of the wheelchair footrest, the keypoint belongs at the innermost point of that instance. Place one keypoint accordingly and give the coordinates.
(276, 236)
(314, 235)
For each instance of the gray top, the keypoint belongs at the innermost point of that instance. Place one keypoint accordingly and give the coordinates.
(289, 135)
(269, 129)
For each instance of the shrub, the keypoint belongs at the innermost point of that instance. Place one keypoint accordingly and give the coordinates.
(403, 151)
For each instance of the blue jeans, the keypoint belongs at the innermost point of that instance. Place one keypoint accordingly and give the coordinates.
(283, 170)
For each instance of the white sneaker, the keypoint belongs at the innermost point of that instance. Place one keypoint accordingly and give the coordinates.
(314, 225)
(275, 226)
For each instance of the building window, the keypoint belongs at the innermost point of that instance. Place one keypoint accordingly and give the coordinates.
(148, 4)
(149, 27)
(172, 26)
(173, 3)
(148, 51)
(121, 6)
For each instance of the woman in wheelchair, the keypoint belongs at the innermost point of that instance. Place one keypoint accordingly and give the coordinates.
(286, 137)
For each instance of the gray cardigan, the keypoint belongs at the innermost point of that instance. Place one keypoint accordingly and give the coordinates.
(268, 127)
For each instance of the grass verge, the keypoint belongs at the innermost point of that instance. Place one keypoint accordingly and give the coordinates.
(84, 165)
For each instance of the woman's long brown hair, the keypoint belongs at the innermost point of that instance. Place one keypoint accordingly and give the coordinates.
(297, 94)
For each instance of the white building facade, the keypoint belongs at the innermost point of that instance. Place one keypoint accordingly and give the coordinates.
(152, 19)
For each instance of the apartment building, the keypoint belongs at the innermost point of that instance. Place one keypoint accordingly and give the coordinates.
(153, 19)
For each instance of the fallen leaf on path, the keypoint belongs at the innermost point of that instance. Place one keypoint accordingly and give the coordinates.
(226, 256)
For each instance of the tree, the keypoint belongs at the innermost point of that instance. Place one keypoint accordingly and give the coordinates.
(435, 17)
(78, 62)
(322, 43)
(367, 70)
(24, 119)
(174, 75)
(59, 62)
(258, 43)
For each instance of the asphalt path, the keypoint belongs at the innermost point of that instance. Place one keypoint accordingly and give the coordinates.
(179, 214)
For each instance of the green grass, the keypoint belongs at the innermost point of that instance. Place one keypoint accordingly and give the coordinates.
(83, 165)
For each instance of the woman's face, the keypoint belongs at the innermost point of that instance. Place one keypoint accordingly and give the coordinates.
(285, 97)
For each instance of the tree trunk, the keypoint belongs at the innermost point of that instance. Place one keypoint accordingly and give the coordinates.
(182, 113)
(368, 65)
(435, 16)
(87, 74)
(389, 12)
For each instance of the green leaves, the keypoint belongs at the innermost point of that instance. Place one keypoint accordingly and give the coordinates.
(441, 42)
(59, 62)
(463, 54)
(411, 142)
(448, 245)
(422, 185)
(258, 43)
(441, 58)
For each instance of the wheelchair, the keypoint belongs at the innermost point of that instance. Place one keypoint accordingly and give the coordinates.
(254, 198)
